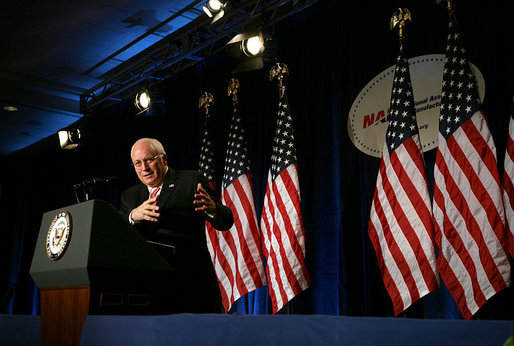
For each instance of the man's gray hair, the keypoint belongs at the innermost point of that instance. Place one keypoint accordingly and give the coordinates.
(154, 143)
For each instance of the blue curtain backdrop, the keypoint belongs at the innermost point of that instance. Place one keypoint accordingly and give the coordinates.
(332, 50)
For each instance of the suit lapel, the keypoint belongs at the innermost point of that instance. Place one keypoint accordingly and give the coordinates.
(143, 194)
(168, 187)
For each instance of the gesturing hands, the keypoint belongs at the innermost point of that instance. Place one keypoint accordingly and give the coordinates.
(150, 212)
(146, 211)
(204, 202)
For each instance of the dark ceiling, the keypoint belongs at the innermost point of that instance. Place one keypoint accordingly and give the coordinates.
(57, 53)
(50, 55)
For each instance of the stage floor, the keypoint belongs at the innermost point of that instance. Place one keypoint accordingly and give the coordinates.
(188, 329)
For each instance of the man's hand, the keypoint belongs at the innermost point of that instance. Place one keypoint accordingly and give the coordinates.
(146, 211)
(204, 202)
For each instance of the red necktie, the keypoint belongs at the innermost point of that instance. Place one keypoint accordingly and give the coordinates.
(154, 191)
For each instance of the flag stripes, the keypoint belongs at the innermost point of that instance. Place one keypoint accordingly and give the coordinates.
(468, 208)
(237, 260)
(469, 220)
(286, 261)
(236, 253)
(467, 202)
(222, 267)
(241, 245)
(248, 250)
(281, 220)
(400, 226)
(402, 237)
(508, 185)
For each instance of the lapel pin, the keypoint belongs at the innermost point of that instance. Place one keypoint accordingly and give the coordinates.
(172, 185)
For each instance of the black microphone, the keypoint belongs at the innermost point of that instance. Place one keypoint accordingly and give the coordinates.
(98, 180)
(104, 180)
(88, 185)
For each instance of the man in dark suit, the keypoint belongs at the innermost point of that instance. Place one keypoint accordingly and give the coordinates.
(169, 209)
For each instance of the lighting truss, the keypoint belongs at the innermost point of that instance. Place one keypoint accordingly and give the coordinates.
(182, 49)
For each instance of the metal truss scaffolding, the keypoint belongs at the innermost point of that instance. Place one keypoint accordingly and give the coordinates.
(183, 48)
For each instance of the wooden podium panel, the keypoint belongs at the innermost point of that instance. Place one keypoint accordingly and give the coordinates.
(63, 311)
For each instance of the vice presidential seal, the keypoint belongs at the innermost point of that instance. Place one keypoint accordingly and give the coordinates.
(58, 235)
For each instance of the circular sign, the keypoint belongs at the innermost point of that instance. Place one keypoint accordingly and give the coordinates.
(58, 235)
(367, 123)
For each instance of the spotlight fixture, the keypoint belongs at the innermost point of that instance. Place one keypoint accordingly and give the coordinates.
(142, 101)
(69, 139)
(253, 46)
(11, 108)
(246, 50)
(215, 9)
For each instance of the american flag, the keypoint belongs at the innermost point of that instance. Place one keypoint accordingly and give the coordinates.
(508, 182)
(468, 208)
(400, 225)
(281, 223)
(236, 253)
(207, 169)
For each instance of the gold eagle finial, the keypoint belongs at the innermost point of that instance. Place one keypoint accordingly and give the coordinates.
(233, 89)
(449, 4)
(400, 19)
(205, 101)
(278, 71)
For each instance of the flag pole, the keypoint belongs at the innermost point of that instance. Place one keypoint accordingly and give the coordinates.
(471, 281)
(232, 90)
(205, 101)
(278, 71)
(399, 21)
(400, 217)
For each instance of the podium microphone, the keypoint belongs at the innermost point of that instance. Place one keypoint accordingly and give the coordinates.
(103, 180)
(87, 185)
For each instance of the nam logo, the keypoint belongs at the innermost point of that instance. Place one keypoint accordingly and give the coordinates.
(367, 121)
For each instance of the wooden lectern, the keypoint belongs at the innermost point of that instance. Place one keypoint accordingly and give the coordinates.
(90, 260)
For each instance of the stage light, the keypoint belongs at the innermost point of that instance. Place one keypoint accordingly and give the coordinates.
(214, 9)
(142, 101)
(246, 51)
(69, 139)
(252, 46)
(212, 6)
(11, 108)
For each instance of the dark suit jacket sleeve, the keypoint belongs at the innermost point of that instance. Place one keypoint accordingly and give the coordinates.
(224, 218)
(132, 198)
(124, 208)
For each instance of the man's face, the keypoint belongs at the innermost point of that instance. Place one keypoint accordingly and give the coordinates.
(151, 171)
